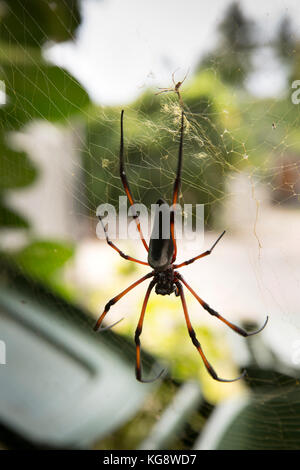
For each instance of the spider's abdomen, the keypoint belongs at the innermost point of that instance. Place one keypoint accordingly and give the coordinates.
(161, 247)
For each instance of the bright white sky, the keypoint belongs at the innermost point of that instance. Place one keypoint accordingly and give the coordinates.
(124, 46)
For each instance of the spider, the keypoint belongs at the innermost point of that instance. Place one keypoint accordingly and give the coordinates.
(175, 89)
(164, 276)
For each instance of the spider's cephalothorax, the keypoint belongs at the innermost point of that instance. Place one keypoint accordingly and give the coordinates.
(162, 253)
(165, 283)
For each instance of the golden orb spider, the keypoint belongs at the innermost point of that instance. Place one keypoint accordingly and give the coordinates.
(166, 279)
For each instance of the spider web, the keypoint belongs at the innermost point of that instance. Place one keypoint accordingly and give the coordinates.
(241, 161)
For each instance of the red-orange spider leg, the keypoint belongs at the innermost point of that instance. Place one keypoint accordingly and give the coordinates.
(234, 327)
(196, 343)
(202, 255)
(116, 299)
(176, 189)
(123, 255)
(138, 332)
(126, 185)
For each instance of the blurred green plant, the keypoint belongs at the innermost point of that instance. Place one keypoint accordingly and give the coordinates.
(265, 419)
(35, 90)
(231, 59)
(42, 261)
(151, 127)
(21, 21)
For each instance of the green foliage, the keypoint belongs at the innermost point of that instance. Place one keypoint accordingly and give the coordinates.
(33, 22)
(232, 57)
(151, 128)
(16, 170)
(285, 44)
(34, 90)
(42, 261)
(269, 419)
(11, 219)
(236, 30)
(39, 91)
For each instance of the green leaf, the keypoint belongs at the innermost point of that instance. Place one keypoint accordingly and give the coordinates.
(265, 420)
(16, 170)
(11, 219)
(39, 91)
(42, 259)
(34, 22)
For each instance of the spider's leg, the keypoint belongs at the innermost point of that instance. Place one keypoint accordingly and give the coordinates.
(126, 185)
(163, 90)
(176, 188)
(235, 328)
(180, 99)
(116, 299)
(138, 332)
(110, 326)
(176, 89)
(196, 343)
(173, 77)
(205, 253)
(177, 182)
(188, 70)
(110, 243)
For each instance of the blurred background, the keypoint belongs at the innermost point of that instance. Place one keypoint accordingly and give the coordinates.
(67, 68)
